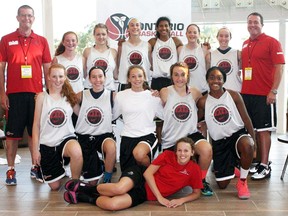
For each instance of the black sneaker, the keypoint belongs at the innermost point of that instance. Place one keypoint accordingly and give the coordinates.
(36, 174)
(262, 173)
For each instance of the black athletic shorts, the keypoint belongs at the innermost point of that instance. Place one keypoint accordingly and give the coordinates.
(91, 145)
(128, 144)
(20, 114)
(52, 161)
(138, 192)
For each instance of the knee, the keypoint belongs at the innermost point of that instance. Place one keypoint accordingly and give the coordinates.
(109, 147)
(75, 152)
(119, 189)
(139, 155)
(113, 206)
(204, 150)
(246, 147)
(54, 186)
(222, 185)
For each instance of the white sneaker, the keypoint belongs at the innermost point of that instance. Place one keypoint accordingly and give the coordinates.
(262, 173)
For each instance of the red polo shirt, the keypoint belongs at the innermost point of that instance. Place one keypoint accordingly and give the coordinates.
(264, 52)
(13, 49)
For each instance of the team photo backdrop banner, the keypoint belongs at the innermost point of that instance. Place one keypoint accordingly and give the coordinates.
(116, 15)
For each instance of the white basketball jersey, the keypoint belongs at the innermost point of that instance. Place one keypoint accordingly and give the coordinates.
(74, 70)
(164, 55)
(95, 115)
(106, 61)
(180, 117)
(228, 62)
(56, 122)
(195, 60)
(222, 116)
(133, 55)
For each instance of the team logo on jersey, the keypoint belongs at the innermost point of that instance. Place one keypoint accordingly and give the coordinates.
(135, 58)
(192, 62)
(73, 73)
(225, 65)
(57, 117)
(117, 26)
(221, 114)
(101, 62)
(181, 112)
(164, 53)
(185, 172)
(94, 116)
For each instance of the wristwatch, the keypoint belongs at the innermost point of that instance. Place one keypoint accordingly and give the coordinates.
(274, 91)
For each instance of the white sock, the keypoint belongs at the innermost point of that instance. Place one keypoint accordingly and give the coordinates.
(243, 173)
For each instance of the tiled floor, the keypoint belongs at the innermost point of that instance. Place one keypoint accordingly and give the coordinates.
(268, 197)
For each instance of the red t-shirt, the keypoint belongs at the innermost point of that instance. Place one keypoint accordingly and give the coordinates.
(172, 177)
(13, 48)
(264, 52)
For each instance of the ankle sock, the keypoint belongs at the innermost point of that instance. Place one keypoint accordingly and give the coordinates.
(243, 173)
(107, 177)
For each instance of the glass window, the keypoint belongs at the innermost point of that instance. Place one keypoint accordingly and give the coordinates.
(238, 30)
(9, 13)
(72, 15)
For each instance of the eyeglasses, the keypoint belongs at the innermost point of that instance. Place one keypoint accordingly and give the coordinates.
(26, 15)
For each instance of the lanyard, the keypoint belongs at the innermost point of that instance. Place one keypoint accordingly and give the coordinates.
(22, 47)
(250, 53)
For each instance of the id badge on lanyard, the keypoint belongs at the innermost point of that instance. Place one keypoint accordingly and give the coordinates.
(248, 73)
(26, 71)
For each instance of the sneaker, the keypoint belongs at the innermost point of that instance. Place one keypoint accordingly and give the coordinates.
(242, 188)
(70, 197)
(72, 185)
(11, 177)
(206, 190)
(255, 166)
(236, 172)
(262, 173)
(36, 173)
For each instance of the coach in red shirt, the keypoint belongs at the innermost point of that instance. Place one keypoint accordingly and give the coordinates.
(262, 67)
(25, 54)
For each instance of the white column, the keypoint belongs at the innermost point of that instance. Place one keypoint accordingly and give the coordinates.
(282, 96)
(47, 14)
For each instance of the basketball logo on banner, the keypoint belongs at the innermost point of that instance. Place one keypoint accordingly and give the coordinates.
(117, 25)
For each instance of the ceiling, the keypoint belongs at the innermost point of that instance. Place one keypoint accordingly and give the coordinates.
(228, 11)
